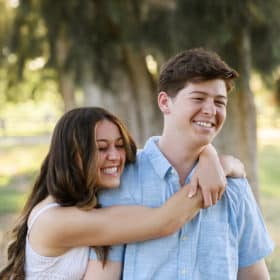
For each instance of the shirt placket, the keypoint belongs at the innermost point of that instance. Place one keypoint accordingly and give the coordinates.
(185, 253)
(185, 239)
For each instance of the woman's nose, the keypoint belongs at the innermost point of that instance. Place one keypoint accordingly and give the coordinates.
(113, 154)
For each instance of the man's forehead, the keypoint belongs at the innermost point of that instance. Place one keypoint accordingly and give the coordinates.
(215, 87)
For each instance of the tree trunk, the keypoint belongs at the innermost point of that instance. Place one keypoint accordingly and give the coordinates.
(143, 94)
(132, 96)
(66, 76)
(125, 104)
(238, 136)
(67, 89)
(119, 100)
(92, 93)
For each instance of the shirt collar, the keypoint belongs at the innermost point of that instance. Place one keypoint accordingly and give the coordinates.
(159, 162)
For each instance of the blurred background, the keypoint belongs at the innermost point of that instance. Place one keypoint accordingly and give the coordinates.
(57, 55)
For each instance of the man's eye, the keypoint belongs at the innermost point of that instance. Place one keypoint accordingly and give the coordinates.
(197, 98)
(221, 103)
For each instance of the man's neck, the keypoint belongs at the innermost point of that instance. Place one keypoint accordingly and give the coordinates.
(181, 154)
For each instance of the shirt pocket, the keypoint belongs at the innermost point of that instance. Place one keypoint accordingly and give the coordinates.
(213, 251)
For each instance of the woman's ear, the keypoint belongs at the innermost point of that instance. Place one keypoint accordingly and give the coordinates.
(163, 102)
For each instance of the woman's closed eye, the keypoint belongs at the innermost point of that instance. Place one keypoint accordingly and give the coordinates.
(120, 146)
(105, 148)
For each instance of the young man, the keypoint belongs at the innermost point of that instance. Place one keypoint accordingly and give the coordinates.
(226, 241)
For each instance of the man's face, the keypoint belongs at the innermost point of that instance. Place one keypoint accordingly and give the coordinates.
(199, 110)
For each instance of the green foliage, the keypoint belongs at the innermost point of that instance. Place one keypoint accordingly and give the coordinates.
(97, 33)
(24, 41)
(217, 24)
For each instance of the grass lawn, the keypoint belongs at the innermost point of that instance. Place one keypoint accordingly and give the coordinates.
(18, 167)
(20, 163)
(269, 175)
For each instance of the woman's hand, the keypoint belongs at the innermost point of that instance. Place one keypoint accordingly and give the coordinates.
(178, 210)
(232, 166)
(210, 174)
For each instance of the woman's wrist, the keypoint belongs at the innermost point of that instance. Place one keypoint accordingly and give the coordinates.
(178, 211)
(209, 151)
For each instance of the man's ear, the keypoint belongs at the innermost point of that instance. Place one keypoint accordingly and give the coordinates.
(163, 102)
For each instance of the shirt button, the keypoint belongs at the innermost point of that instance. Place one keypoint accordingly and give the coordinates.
(185, 238)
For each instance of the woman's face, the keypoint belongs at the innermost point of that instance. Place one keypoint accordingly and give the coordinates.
(110, 154)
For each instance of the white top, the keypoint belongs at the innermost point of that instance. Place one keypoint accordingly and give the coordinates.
(69, 266)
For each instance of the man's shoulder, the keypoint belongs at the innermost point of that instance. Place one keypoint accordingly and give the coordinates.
(238, 186)
(131, 169)
(238, 192)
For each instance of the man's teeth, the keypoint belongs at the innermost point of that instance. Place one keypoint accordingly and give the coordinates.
(110, 170)
(204, 124)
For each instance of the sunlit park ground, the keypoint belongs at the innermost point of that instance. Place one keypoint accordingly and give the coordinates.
(20, 160)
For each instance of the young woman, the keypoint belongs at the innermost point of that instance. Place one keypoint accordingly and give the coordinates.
(61, 218)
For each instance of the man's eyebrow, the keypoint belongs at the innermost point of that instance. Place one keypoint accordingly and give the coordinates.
(205, 93)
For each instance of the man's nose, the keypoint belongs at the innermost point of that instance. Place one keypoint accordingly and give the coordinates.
(209, 107)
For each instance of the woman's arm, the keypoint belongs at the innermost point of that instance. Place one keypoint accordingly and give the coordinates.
(232, 166)
(66, 227)
(211, 172)
(112, 269)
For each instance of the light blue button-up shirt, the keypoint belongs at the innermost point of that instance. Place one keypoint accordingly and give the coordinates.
(213, 245)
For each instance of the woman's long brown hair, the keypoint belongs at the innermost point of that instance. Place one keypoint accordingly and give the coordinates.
(68, 174)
